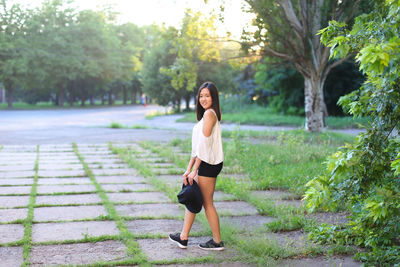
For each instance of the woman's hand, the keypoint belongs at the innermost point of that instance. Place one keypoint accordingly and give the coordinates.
(185, 176)
(191, 176)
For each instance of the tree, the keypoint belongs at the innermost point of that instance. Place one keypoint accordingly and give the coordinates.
(366, 175)
(13, 48)
(157, 84)
(55, 54)
(193, 47)
(287, 30)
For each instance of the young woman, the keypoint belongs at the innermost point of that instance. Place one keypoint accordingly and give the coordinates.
(205, 164)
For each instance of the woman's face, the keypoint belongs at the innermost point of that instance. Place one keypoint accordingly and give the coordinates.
(205, 98)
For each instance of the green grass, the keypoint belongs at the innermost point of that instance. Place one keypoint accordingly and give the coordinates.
(27, 239)
(256, 115)
(126, 236)
(117, 125)
(269, 251)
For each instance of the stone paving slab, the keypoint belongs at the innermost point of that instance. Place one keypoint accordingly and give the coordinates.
(330, 217)
(10, 215)
(67, 213)
(120, 179)
(11, 232)
(251, 222)
(69, 180)
(15, 155)
(274, 194)
(127, 187)
(19, 181)
(58, 148)
(103, 161)
(58, 155)
(50, 189)
(68, 199)
(113, 172)
(321, 262)
(152, 160)
(235, 208)
(61, 173)
(293, 239)
(222, 196)
(13, 201)
(19, 148)
(17, 167)
(11, 256)
(6, 190)
(50, 161)
(81, 253)
(17, 174)
(172, 171)
(294, 203)
(160, 226)
(154, 210)
(103, 152)
(42, 232)
(65, 166)
(139, 197)
(170, 180)
(94, 166)
(166, 250)
(100, 158)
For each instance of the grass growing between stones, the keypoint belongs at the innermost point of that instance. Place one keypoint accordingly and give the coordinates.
(27, 240)
(302, 156)
(126, 236)
(147, 171)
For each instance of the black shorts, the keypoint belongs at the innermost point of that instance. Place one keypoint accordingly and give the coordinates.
(209, 170)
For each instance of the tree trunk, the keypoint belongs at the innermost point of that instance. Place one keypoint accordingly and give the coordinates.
(313, 103)
(133, 96)
(9, 97)
(61, 96)
(125, 96)
(187, 100)
(72, 94)
(83, 99)
(103, 100)
(110, 98)
(91, 100)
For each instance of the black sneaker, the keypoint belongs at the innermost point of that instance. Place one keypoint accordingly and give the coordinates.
(176, 238)
(211, 245)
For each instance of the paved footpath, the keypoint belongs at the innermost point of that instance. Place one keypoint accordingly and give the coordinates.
(83, 205)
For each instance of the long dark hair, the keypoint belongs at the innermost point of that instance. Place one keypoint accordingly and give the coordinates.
(215, 100)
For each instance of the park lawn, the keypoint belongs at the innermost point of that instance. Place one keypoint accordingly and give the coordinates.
(274, 160)
(284, 160)
(263, 116)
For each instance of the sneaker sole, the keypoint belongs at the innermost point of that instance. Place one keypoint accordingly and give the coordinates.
(212, 248)
(176, 242)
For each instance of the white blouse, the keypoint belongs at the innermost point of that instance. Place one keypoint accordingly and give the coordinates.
(208, 149)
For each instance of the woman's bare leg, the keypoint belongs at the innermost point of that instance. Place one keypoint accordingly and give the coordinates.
(187, 224)
(207, 187)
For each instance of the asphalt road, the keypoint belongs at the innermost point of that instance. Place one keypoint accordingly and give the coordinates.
(89, 125)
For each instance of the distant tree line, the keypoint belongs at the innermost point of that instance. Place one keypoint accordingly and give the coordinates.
(55, 52)
(58, 53)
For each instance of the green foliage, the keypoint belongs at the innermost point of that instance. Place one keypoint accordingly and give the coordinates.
(287, 83)
(365, 175)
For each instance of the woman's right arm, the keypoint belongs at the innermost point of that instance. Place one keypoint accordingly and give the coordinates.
(188, 170)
